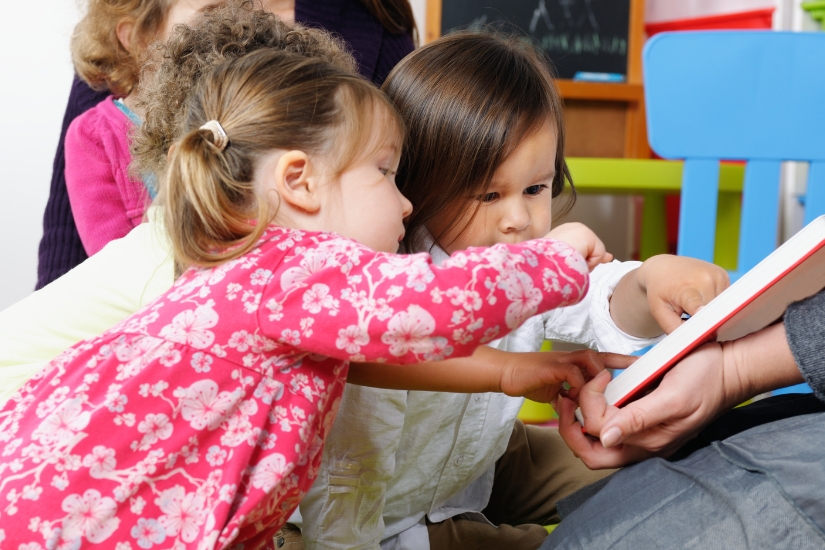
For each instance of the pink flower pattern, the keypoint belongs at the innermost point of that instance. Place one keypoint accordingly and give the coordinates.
(199, 421)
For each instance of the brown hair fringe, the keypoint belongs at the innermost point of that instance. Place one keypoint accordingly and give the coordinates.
(468, 100)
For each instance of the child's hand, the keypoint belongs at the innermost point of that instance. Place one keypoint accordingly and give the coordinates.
(689, 396)
(580, 237)
(540, 375)
(677, 284)
(651, 299)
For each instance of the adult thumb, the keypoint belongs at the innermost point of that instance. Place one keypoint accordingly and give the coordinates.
(635, 418)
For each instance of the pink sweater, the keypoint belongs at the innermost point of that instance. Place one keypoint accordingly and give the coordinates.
(106, 202)
(199, 421)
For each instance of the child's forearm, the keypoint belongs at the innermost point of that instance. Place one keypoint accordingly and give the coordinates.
(629, 307)
(539, 376)
(480, 372)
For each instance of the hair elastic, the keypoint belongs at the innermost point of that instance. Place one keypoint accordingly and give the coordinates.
(220, 139)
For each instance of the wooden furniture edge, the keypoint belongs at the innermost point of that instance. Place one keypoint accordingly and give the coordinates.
(571, 89)
(432, 21)
(632, 92)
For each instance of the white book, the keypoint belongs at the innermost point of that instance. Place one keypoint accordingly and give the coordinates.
(759, 298)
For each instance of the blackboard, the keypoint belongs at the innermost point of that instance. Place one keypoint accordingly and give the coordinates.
(578, 35)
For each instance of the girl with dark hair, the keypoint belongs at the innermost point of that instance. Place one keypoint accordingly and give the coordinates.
(483, 161)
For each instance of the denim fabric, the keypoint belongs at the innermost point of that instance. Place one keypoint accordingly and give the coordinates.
(762, 488)
(771, 409)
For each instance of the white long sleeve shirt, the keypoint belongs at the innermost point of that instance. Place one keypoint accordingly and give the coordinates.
(395, 457)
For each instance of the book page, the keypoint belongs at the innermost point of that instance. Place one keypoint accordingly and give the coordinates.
(771, 304)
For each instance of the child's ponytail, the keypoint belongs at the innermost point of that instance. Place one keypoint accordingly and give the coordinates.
(240, 111)
(208, 213)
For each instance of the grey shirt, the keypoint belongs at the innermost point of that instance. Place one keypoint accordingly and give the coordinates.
(805, 329)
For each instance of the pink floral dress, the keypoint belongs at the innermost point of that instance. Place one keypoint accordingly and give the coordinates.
(199, 421)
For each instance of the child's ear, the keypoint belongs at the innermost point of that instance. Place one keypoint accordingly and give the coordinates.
(296, 183)
(124, 32)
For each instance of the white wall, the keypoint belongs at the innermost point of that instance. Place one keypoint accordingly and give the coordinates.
(420, 13)
(37, 74)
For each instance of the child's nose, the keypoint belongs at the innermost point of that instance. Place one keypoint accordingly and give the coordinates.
(406, 205)
(517, 218)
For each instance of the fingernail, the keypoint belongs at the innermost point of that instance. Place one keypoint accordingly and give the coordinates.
(611, 437)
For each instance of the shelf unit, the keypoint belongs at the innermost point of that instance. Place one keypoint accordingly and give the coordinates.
(602, 119)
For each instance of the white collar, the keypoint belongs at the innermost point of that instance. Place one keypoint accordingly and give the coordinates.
(423, 241)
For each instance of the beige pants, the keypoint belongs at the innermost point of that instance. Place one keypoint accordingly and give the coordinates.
(535, 471)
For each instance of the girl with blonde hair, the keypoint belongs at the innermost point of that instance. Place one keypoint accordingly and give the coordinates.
(106, 50)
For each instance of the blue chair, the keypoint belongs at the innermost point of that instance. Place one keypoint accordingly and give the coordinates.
(755, 96)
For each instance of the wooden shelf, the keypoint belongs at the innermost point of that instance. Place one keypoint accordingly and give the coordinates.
(601, 91)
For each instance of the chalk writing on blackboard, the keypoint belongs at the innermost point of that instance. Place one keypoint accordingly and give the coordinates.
(579, 35)
(541, 11)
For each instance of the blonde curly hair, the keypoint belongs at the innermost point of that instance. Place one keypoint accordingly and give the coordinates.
(98, 56)
(173, 68)
(240, 66)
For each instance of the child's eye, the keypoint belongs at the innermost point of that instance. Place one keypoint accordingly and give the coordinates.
(487, 197)
(387, 172)
(535, 189)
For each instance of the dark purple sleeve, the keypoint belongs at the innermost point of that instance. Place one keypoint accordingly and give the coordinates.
(394, 48)
(60, 247)
(376, 50)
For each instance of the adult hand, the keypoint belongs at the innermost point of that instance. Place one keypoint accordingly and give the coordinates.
(706, 383)
(690, 395)
(582, 238)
